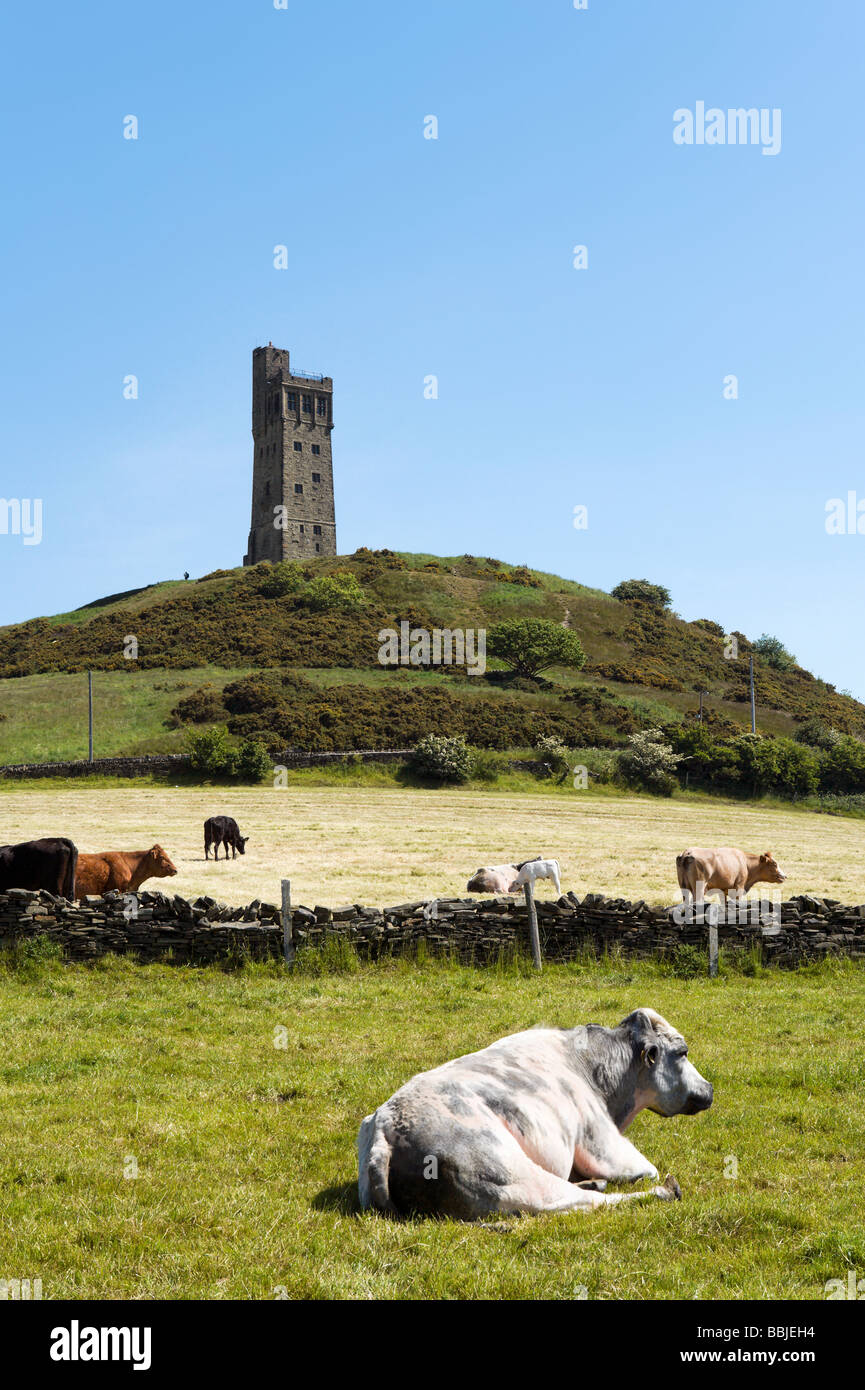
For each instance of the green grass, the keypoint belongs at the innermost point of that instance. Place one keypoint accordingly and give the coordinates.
(245, 1149)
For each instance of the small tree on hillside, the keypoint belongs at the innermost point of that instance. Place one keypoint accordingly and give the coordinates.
(642, 591)
(774, 653)
(528, 646)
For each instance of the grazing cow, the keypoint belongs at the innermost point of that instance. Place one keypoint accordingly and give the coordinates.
(535, 869)
(531, 1123)
(724, 871)
(501, 878)
(223, 830)
(35, 864)
(122, 871)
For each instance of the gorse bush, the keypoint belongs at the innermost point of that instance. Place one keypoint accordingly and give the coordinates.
(442, 759)
(642, 591)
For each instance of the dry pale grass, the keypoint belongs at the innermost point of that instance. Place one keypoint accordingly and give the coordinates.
(382, 846)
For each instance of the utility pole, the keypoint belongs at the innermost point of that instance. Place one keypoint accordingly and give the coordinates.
(702, 693)
(753, 702)
(90, 711)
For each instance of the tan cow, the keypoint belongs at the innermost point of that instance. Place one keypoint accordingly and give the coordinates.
(120, 870)
(724, 871)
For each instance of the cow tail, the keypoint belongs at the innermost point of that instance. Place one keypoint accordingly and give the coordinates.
(68, 888)
(374, 1151)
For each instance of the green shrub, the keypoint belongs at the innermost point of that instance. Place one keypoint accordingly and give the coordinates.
(210, 752)
(530, 645)
(442, 759)
(332, 591)
(816, 734)
(253, 762)
(774, 653)
(843, 767)
(285, 577)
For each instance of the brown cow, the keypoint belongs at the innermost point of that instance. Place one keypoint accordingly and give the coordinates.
(120, 870)
(724, 871)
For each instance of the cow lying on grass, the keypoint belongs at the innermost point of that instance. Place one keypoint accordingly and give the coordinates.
(724, 871)
(531, 1123)
(506, 878)
(120, 870)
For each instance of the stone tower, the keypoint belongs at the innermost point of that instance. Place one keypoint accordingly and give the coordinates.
(292, 473)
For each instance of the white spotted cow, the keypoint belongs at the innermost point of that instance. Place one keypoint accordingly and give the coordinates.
(535, 869)
(532, 1123)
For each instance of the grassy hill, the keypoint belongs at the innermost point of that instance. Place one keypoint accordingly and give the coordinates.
(217, 649)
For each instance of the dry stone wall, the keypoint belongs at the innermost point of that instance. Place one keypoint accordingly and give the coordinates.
(157, 926)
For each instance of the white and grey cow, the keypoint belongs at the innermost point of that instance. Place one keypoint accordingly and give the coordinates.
(535, 869)
(531, 1123)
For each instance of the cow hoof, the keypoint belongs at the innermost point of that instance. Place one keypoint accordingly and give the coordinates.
(673, 1188)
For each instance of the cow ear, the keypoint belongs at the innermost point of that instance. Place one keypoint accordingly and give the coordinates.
(651, 1054)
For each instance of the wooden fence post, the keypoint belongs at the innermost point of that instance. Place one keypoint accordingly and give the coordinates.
(287, 940)
(533, 926)
(712, 918)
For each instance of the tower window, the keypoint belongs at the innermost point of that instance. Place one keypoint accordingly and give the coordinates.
(316, 477)
(298, 447)
(291, 400)
(316, 448)
(316, 530)
(322, 405)
(317, 546)
(301, 528)
(307, 405)
(298, 487)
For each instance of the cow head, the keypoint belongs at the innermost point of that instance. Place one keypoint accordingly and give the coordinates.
(667, 1082)
(162, 866)
(770, 869)
(242, 839)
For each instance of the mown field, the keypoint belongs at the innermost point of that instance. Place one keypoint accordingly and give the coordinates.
(180, 1133)
(384, 844)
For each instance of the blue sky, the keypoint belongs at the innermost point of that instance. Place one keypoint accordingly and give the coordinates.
(557, 387)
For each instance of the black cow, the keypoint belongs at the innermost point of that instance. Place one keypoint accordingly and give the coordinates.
(35, 864)
(223, 830)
